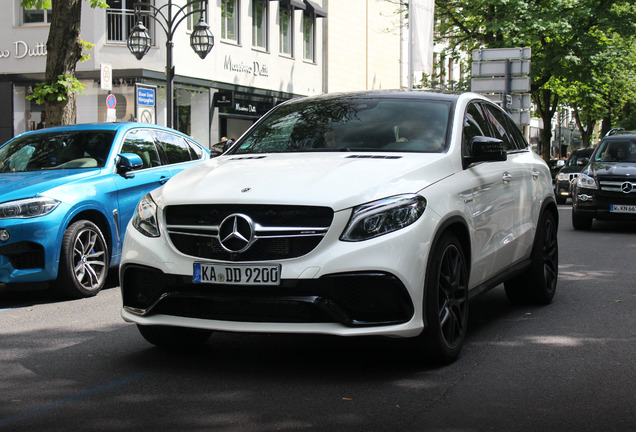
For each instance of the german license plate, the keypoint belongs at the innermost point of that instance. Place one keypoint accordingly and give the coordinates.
(236, 274)
(622, 208)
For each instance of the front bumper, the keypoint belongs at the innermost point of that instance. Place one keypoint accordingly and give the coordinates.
(32, 252)
(373, 287)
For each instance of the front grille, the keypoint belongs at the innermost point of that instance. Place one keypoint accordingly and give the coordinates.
(617, 184)
(352, 299)
(24, 255)
(280, 232)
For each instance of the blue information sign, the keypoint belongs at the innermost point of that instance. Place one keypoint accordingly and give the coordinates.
(145, 96)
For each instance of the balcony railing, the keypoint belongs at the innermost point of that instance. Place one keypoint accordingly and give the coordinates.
(119, 23)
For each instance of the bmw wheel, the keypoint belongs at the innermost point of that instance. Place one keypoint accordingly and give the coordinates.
(538, 283)
(446, 301)
(84, 261)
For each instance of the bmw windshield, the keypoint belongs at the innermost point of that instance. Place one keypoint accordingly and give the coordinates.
(351, 124)
(56, 150)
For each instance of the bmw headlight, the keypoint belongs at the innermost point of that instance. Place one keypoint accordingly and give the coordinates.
(586, 182)
(384, 216)
(563, 176)
(145, 217)
(28, 208)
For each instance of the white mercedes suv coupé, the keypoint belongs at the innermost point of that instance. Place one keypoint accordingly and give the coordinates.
(375, 213)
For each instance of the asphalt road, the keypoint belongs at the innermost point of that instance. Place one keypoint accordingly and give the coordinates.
(569, 366)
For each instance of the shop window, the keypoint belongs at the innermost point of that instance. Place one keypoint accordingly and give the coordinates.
(230, 20)
(120, 19)
(259, 23)
(286, 25)
(309, 30)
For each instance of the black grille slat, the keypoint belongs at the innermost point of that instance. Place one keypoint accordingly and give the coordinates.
(196, 228)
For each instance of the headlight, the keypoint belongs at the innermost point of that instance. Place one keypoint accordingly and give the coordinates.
(145, 217)
(28, 208)
(383, 216)
(586, 182)
(563, 176)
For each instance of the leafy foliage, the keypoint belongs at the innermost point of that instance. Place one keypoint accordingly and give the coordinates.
(57, 91)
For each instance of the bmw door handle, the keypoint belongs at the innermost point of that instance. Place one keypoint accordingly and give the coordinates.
(163, 179)
(506, 177)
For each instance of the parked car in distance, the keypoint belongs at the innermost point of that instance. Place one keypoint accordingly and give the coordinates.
(374, 213)
(606, 188)
(574, 165)
(67, 194)
(555, 166)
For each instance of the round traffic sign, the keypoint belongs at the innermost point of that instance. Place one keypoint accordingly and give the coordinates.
(111, 101)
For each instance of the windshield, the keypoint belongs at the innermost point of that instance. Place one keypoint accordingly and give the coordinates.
(579, 158)
(616, 150)
(351, 124)
(56, 150)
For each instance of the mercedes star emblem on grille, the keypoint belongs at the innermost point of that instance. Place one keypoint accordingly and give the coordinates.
(626, 187)
(236, 233)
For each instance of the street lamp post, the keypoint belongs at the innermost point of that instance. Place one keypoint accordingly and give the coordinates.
(139, 40)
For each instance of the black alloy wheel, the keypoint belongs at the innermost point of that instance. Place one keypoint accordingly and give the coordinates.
(446, 301)
(538, 283)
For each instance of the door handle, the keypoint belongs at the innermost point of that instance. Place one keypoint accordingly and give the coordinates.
(163, 179)
(535, 174)
(506, 177)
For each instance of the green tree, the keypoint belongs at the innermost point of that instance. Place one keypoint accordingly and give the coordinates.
(64, 49)
(563, 35)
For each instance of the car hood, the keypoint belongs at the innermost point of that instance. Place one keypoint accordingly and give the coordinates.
(336, 180)
(626, 169)
(20, 185)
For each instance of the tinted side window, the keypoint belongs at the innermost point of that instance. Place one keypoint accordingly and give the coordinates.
(174, 146)
(474, 125)
(140, 142)
(499, 125)
(196, 152)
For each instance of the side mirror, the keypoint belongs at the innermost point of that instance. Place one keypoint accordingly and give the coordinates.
(127, 162)
(485, 149)
(582, 161)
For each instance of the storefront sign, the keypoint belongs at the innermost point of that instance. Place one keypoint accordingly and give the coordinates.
(252, 68)
(22, 50)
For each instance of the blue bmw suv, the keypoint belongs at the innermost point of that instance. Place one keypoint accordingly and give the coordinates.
(67, 194)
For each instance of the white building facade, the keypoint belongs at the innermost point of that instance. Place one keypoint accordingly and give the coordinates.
(265, 52)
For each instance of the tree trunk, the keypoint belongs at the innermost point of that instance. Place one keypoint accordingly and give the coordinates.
(64, 50)
(547, 103)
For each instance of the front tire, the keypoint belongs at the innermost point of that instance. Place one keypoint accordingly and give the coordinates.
(538, 283)
(174, 337)
(446, 301)
(580, 222)
(84, 261)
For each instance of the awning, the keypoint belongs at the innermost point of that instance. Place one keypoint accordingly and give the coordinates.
(298, 4)
(314, 7)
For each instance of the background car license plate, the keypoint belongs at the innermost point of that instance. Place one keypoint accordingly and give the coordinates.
(621, 208)
(237, 274)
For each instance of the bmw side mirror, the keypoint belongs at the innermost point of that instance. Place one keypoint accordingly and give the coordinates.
(127, 162)
(485, 149)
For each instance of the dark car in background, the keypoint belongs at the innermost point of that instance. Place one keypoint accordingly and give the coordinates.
(67, 194)
(574, 165)
(606, 188)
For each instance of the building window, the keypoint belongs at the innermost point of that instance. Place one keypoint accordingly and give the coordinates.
(309, 29)
(196, 16)
(230, 20)
(259, 23)
(35, 16)
(286, 24)
(120, 19)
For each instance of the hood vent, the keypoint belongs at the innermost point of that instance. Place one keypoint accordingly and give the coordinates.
(373, 157)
